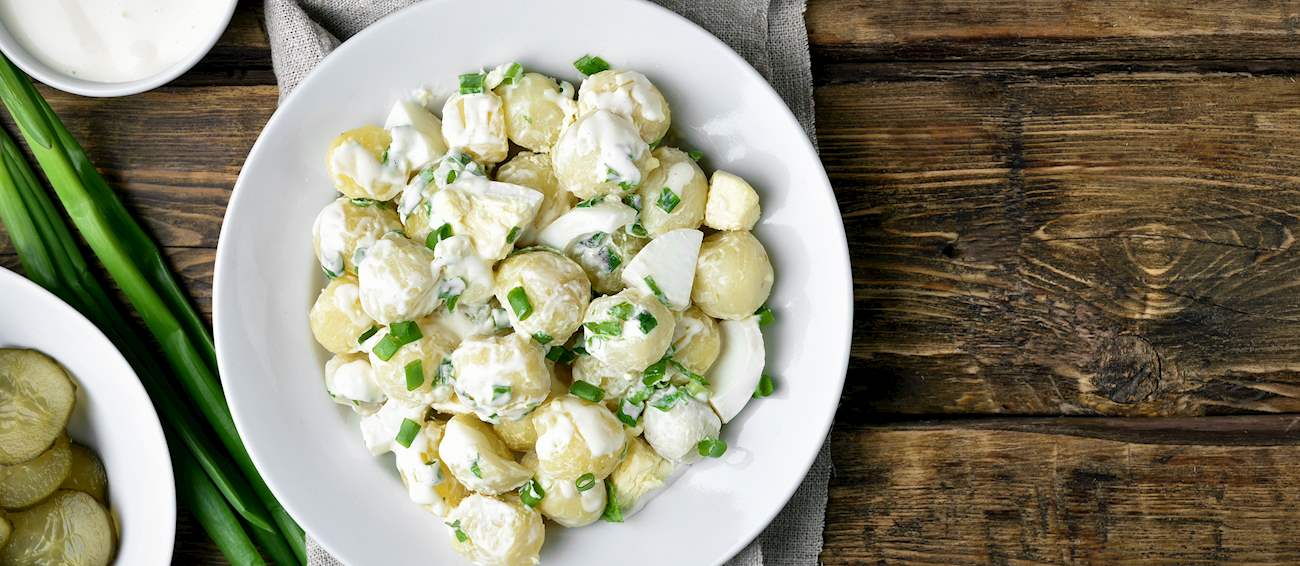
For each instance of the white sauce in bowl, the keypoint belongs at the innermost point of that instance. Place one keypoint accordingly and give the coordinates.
(112, 41)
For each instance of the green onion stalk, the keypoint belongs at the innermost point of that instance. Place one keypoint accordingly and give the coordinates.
(137, 266)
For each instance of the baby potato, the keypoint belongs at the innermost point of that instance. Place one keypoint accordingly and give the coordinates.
(603, 256)
(350, 381)
(601, 154)
(337, 319)
(564, 502)
(551, 290)
(674, 195)
(428, 480)
(533, 170)
(491, 213)
(501, 377)
(345, 229)
(355, 162)
(696, 340)
(478, 458)
(675, 423)
(628, 331)
(641, 473)
(461, 273)
(577, 437)
(537, 108)
(733, 276)
(631, 95)
(496, 531)
(733, 203)
(475, 123)
(613, 382)
(414, 373)
(396, 280)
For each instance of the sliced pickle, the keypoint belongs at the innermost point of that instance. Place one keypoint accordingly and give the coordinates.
(36, 399)
(68, 528)
(87, 474)
(26, 484)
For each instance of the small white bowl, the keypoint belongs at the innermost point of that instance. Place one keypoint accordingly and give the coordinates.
(113, 416)
(37, 69)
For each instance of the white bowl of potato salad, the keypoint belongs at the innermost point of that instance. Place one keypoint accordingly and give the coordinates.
(543, 301)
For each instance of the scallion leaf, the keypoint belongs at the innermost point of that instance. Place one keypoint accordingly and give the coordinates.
(445, 371)
(499, 391)
(695, 154)
(711, 447)
(513, 235)
(607, 328)
(655, 290)
(512, 74)
(367, 334)
(648, 321)
(621, 311)
(585, 390)
(532, 493)
(414, 375)
(542, 338)
(406, 434)
(585, 481)
(629, 413)
(442, 233)
(518, 299)
(472, 83)
(590, 65)
(668, 200)
(589, 202)
(765, 315)
(474, 469)
(765, 387)
(636, 229)
(460, 534)
(613, 511)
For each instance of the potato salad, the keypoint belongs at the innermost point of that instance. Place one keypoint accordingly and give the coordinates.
(538, 301)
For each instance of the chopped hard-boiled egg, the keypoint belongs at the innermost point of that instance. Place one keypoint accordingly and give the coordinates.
(732, 203)
(665, 268)
(739, 367)
(607, 215)
(417, 136)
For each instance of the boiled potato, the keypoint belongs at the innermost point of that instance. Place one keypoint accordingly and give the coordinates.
(555, 289)
(533, 170)
(628, 331)
(631, 95)
(577, 437)
(350, 381)
(601, 154)
(463, 277)
(428, 480)
(733, 276)
(676, 422)
(355, 161)
(537, 108)
(27, 483)
(475, 124)
(501, 377)
(564, 502)
(344, 230)
(87, 474)
(337, 319)
(36, 399)
(68, 528)
(674, 195)
(478, 457)
(496, 531)
(615, 383)
(396, 280)
(696, 340)
(641, 473)
(492, 214)
(603, 256)
(520, 434)
(733, 203)
(414, 373)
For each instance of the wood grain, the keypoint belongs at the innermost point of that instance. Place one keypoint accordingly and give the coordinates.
(1046, 30)
(1063, 491)
(1117, 244)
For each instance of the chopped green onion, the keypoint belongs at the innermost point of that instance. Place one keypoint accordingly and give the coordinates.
(765, 387)
(426, 175)
(765, 315)
(513, 235)
(627, 186)
(654, 289)
(629, 412)
(695, 154)
(471, 83)
(500, 391)
(589, 202)
(594, 240)
(621, 311)
(712, 447)
(668, 200)
(648, 321)
(561, 355)
(364, 202)
(330, 274)
(607, 328)
(613, 511)
(512, 74)
(542, 338)
(585, 481)
(383, 159)
(445, 370)
(532, 493)
(655, 373)
(590, 65)
(667, 401)
(460, 534)
(450, 297)
(641, 395)
(451, 177)
(399, 334)
(584, 390)
(612, 259)
(407, 433)
(697, 390)
(474, 469)
(580, 351)
(442, 233)
(414, 375)
(636, 229)
(451, 302)
(633, 201)
(519, 302)
(367, 334)
(655, 144)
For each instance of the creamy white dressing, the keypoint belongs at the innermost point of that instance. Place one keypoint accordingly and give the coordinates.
(474, 121)
(492, 526)
(397, 281)
(331, 231)
(457, 259)
(357, 163)
(632, 94)
(112, 41)
(350, 381)
(597, 427)
(618, 143)
(379, 430)
(420, 467)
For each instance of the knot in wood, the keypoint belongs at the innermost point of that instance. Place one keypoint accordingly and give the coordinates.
(1127, 369)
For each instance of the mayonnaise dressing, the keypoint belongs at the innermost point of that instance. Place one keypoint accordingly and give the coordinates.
(112, 41)
(629, 93)
(354, 160)
(618, 142)
(331, 231)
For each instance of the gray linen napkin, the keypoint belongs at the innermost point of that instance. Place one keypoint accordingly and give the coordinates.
(770, 34)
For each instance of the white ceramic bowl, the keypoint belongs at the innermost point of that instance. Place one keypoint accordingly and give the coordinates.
(309, 449)
(37, 69)
(113, 415)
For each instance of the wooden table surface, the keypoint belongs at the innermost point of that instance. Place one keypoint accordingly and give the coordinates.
(1073, 228)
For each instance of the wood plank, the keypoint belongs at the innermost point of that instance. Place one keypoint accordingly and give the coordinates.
(1047, 30)
(1062, 491)
(1120, 244)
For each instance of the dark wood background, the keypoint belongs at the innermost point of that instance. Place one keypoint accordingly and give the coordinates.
(1074, 237)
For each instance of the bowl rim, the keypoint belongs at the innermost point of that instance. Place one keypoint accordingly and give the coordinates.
(37, 69)
(221, 291)
(10, 279)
